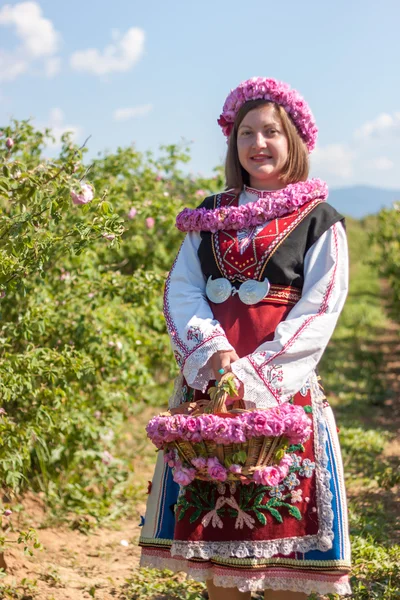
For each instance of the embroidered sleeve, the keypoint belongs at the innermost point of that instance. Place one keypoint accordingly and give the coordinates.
(195, 334)
(279, 368)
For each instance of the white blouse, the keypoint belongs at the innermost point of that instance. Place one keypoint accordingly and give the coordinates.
(277, 369)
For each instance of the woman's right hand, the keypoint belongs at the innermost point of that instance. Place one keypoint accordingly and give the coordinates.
(222, 360)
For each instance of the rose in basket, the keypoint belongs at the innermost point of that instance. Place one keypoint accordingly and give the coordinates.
(240, 445)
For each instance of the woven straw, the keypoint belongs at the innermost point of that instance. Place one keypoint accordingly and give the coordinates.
(260, 450)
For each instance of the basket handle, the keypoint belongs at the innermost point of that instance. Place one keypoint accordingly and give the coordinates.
(219, 394)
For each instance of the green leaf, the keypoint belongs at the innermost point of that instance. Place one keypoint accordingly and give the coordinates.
(276, 514)
(240, 457)
(307, 408)
(261, 517)
(195, 515)
(181, 514)
(294, 511)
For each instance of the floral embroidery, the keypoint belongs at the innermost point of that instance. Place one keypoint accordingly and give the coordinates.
(251, 500)
(178, 358)
(291, 481)
(307, 468)
(296, 461)
(195, 333)
(297, 496)
(271, 375)
(252, 503)
(276, 491)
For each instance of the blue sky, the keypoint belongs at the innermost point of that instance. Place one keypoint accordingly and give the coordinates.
(156, 71)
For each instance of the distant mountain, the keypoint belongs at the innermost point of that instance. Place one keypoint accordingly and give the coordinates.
(361, 200)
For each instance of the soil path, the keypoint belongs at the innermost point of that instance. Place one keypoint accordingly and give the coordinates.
(72, 565)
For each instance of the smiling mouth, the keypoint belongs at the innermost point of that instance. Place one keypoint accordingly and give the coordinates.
(260, 157)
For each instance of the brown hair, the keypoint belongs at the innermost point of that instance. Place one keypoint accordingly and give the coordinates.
(297, 165)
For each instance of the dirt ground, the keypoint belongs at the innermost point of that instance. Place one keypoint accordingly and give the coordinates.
(72, 565)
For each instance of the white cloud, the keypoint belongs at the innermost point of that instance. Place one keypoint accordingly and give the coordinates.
(52, 66)
(383, 163)
(37, 35)
(56, 123)
(123, 114)
(383, 126)
(11, 66)
(118, 57)
(334, 160)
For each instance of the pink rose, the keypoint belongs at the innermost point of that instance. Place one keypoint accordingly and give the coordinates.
(86, 195)
(236, 469)
(184, 476)
(237, 432)
(192, 424)
(215, 470)
(206, 426)
(260, 424)
(222, 431)
(169, 458)
(150, 222)
(132, 213)
(267, 476)
(9, 143)
(106, 457)
(199, 463)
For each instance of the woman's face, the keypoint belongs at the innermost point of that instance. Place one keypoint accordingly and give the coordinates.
(262, 147)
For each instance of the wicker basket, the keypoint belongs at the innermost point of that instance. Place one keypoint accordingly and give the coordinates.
(256, 453)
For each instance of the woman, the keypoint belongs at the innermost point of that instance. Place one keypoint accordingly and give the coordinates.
(256, 289)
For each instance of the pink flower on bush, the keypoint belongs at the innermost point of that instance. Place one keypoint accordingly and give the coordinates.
(184, 476)
(215, 470)
(84, 196)
(200, 193)
(7, 512)
(150, 222)
(106, 457)
(132, 213)
(9, 143)
(109, 236)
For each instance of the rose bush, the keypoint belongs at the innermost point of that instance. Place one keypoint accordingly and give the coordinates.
(84, 252)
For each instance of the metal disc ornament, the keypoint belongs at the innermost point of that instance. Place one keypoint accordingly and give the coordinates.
(218, 290)
(253, 291)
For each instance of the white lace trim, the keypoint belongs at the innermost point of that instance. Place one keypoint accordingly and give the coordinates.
(260, 581)
(266, 548)
(256, 394)
(196, 370)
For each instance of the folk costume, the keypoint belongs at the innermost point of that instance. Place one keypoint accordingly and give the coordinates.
(263, 273)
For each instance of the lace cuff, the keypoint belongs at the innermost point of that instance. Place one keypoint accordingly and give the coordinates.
(260, 384)
(196, 369)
